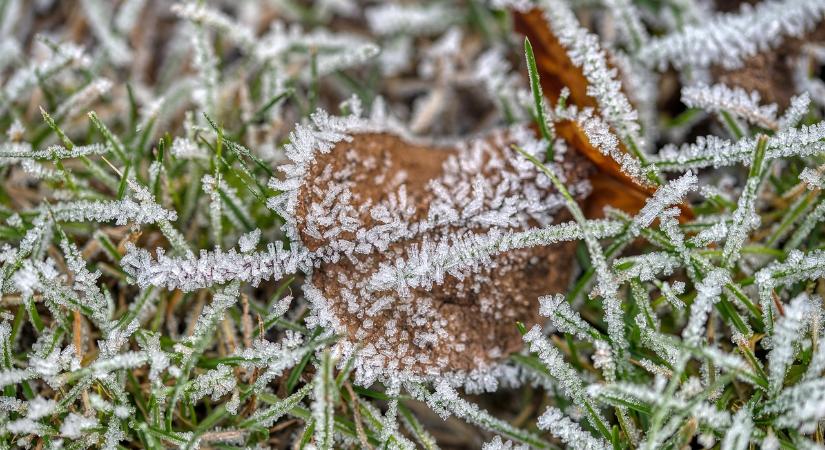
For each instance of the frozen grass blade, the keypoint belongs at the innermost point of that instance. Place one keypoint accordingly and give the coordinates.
(538, 99)
(446, 399)
(325, 395)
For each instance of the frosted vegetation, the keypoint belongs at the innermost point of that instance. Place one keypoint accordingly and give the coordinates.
(190, 257)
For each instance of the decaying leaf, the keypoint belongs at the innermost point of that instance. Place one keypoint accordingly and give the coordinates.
(398, 200)
(558, 73)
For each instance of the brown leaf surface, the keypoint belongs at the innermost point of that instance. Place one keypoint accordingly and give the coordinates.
(473, 319)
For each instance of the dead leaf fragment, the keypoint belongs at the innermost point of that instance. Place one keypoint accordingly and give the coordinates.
(460, 325)
(557, 71)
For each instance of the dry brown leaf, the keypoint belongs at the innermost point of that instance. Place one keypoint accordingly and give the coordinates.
(611, 186)
(472, 319)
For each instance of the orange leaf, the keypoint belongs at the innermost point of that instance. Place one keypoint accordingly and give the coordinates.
(611, 186)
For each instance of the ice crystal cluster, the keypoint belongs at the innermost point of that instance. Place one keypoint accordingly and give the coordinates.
(361, 224)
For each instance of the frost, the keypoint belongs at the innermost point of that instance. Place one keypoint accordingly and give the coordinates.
(712, 234)
(568, 431)
(274, 358)
(789, 328)
(114, 434)
(711, 151)
(501, 83)
(720, 98)
(215, 384)
(797, 267)
(267, 416)
(586, 53)
(745, 217)
(74, 425)
(120, 212)
(498, 444)
(568, 379)
(796, 112)
(813, 178)
(25, 426)
(708, 293)
(445, 400)
(249, 241)
(728, 39)
(115, 46)
(629, 22)
(40, 407)
(324, 394)
(127, 15)
(336, 50)
(800, 406)
(184, 148)
(392, 18)
(646, 267)
(204, 15)
(738, 436)
(770, 442)
(210, 268)
(664, 197)
(319, 136)
(565, 319)
(600, 135)
(460, 254)
(51, 153)
(158, 359)
(63, 56)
